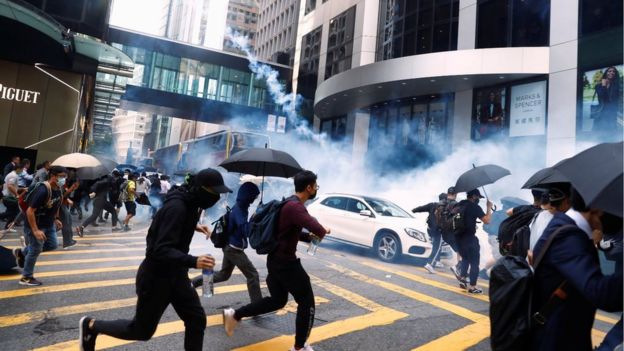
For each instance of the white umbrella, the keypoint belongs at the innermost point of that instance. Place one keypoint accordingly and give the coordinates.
(77, 160)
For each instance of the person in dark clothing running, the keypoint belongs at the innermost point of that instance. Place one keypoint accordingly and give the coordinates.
(286, 274)
(234, 254)
(162, 278)
(99, 193)
(468, 242)
(113, 194)
(434, 232)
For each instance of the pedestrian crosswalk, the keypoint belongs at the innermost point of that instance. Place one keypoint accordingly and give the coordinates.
(356, 297)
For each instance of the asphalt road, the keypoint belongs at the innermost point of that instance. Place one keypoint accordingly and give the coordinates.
(362, 303)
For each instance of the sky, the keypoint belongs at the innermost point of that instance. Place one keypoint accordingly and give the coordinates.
(139, 15)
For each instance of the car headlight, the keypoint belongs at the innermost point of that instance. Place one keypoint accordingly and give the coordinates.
(416, 234)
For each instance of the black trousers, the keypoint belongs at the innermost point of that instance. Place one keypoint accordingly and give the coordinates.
(12, 210)
(470, 252)
(156, 288)
(98, 206)
(285, 278)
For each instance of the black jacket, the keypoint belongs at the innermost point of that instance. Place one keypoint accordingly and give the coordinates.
(431, 220)
(169, 237)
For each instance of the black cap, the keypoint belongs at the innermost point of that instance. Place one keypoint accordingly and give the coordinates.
(211, 178)
(54, 170)
(451, 190)
(474, 192)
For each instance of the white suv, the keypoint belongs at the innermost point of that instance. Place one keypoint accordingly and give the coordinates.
(372, 223)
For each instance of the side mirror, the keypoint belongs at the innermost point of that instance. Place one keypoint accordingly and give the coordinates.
(366, 213)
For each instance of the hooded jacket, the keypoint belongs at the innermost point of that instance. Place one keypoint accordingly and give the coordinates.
(169, 237)
(247, 193)
(572, 257)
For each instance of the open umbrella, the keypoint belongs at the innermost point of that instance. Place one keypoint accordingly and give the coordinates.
(596, 174)
(480, 176)
(107, 163)
(545, 176)
(262, 162)
(87, 166)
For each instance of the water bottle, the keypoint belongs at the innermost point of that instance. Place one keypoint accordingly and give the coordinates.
(208, 286)
(314, 243)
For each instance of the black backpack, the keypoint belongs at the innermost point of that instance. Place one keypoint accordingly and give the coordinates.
(511, 292)
(514, 232)
(220, 236)
(456, 220)
(263, 227)
(444, 216)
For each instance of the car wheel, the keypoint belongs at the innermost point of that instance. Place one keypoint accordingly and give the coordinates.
(387, 247)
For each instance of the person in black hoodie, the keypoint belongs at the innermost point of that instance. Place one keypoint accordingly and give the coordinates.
(99, 193)
(434, 232)
(234, 254)
(162, 278)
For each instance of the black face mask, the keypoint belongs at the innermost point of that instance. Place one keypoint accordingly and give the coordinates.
(207, 200)
(313, 196)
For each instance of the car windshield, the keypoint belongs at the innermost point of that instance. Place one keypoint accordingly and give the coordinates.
(386, 208)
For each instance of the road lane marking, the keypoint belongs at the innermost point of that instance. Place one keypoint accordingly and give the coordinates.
(455, 309)
(74, 272)
(380, 316)
(89, 260)
(63, 287)
(459, 340)
(29, 317)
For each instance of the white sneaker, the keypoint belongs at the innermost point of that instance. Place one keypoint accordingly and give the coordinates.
(430, 269)
(305, 348)
(438, 264)
(229, 322)
(11, 230)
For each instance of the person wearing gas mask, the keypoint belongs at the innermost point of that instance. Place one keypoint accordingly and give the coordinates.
(162, 278)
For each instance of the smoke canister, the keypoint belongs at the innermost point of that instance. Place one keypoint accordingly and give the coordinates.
(208, 286)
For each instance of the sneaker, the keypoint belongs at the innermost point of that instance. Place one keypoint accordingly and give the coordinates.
(126, 228)
(430, 269)
(475, 291)
(229, 322)
(23, 241)
(439, 265)
(101, 220)
(70, 244)
(463, 283)
(86, 337)
(19, 257)
(305, 348)
(29, 281)
(80, 231)
(10, 230)
(117, 229)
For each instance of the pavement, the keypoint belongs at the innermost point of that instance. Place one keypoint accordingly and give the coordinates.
(362, 303)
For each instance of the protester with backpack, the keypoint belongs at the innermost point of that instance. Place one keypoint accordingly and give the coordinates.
(444, 221)
(41, 223)
(286, 274)
(233, 252)
(514, 232)
(435, 210)
(570, 272)
(468, 211)
(99, 192)
(162, 278)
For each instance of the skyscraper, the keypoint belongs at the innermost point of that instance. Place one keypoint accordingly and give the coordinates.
(199, 22)
(242, 18)
(277, 30)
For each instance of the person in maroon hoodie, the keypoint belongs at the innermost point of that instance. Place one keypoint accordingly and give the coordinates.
(286, 275)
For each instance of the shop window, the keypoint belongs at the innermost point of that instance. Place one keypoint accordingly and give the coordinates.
(599, 15)
(513, 23)
(308, 65)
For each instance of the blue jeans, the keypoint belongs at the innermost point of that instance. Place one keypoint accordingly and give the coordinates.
(35, 247)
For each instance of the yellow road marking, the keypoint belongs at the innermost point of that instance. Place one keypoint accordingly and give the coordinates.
(459, 340)
(89, 260)
(291, 306)
(458, 310)
(111, 238)
(384, 316)
(76, 252)
(29, 317)
(76, 272)
(430, 282)
(64, 287)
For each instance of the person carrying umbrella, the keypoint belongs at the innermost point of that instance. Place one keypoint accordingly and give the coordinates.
(467, 240)
(162, 278)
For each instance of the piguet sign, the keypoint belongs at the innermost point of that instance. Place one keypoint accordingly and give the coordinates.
(19, 95)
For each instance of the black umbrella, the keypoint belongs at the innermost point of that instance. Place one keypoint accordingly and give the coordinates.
(107, 163)
(596, 174)
(480, 176)
(545, 176)
(262, 162)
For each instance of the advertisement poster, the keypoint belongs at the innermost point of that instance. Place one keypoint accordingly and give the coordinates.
(281, 124)
(602, 103)
(527, 109)
(489, 116)
(271, 120)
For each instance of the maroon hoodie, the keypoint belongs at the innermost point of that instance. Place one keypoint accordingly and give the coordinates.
(293, 217)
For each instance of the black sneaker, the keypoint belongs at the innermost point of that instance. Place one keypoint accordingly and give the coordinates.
(70, 244)
(80, 231)
(19, 257)
(463, 283)
(29, 281)
(475, 291)
(101, 220)
(86, 337)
